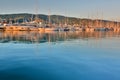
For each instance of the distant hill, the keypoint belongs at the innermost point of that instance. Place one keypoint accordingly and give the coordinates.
(54, 19)
(28, 17)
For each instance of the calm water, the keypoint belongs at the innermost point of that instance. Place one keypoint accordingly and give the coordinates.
(60, 56)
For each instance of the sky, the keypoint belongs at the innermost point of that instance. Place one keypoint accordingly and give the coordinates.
(103, 9)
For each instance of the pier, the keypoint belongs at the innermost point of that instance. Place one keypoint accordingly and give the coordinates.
(31, 28)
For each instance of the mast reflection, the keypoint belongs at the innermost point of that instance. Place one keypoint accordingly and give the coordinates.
(39, 37)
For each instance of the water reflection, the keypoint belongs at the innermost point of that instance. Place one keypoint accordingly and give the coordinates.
(89, 55)
(33, 36)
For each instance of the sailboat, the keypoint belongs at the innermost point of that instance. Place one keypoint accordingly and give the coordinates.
(50, 27)
(1, 26)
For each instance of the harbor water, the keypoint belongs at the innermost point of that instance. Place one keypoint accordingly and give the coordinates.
(59, 55)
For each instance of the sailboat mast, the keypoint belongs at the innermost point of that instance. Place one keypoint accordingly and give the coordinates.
(49, 18)
(36, 10)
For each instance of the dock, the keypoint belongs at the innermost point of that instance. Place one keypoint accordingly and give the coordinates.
(32, 28)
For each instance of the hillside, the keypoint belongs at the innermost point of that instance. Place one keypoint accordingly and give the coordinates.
(54, 19)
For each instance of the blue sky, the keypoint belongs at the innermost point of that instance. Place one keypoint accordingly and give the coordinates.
(107, 9)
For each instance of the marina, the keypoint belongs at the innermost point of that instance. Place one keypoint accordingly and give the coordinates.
(53, 50)
(40, 25)
(59, 40)
(56, 23)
